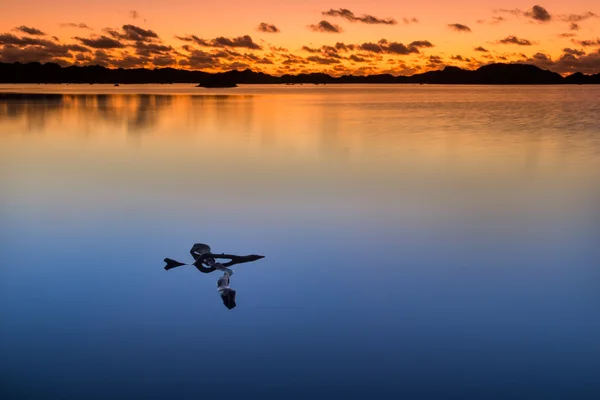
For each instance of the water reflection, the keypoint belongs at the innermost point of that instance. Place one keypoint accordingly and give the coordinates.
(480, 204)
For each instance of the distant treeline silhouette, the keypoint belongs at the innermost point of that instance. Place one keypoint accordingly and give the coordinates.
(492, 74)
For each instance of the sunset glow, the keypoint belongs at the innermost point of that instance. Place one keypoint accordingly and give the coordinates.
(350, 37)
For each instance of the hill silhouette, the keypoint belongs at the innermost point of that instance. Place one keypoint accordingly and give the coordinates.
(492, 74)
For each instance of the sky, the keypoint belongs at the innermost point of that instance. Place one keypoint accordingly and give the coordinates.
(280, 37)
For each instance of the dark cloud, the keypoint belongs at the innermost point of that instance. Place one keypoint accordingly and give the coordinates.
(481, 49)
(323, 60)
(538, 13)
(570, 61)
(356, 58)
(11, 53)
(399, 48)
(325, 26)
(236, 65)
(577, 17)
(76, 47)
(310, 49)
(384, 46)
(148, 49)
(497, 19)
(134, 14)
(163, 61)
(409, 21)
(344, 47)
(80, 25)
(132, 32)
(566, 35)
(588, 43)
(102, 42)
(267, 28)
(9, 38)
(129, 61)
(460, 58)
(460, 27)
(541, 57)
(421, 43)
(574, 26)
(435, 61)
(240, 41)
(29, 31)
(515, 40)
(365, 18)
(574, 52)
(372, 47)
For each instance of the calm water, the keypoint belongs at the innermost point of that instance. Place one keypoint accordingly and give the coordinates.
(421, 242)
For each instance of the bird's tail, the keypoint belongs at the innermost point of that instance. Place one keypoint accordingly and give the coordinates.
(172, 264)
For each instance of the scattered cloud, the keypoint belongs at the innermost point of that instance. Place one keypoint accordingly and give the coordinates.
(325, 26)
(574, 52)
(240, 41)
(515, 40)
(574, 26)
(80, 25)
(588, 43)
(267, 28)
(459, 27)
(481, 49)
(365, 18)
(323, 60)
(29, 31)
(538, 13)
(409, 21)
(134, 14)
(577, 17)
(101, 42)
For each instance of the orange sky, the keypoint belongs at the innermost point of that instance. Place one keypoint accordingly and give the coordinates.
(558, 35)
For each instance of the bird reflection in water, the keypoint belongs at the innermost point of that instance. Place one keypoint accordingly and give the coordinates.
(206, 262)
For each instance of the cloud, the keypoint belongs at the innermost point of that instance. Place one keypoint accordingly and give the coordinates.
(80, 25)
(163, 61)
(460, 58)
(11, 53)
(134, 14)
(325, 26)
(29, 31)
(148, 49)
(133, 32)
(577, 17)
(240, 41)
(588, 43)
(421, 43)
(538, 13)
(566, 35)
(573, 26)
(515, 40)
(409, 21)
(570, 61)
(481, 49)
(460, 27)
(365, 18)
(356, 58)
(344, 47)
(102, 42)
(322, 60)
(384, 46)
(267, 28)
(129, 61)
(573, 51)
